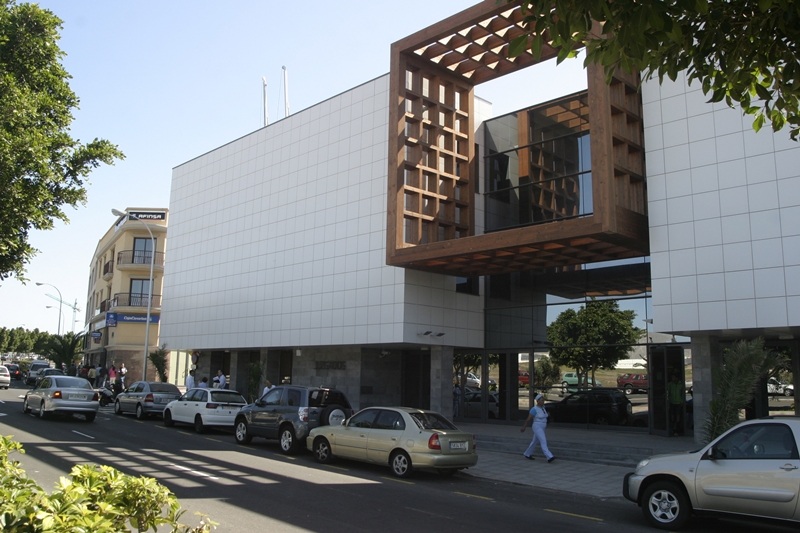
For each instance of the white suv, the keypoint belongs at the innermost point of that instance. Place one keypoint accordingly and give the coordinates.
(33, 371)
(753, 469)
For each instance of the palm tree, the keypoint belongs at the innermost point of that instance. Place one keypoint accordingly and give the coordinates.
(63, 349)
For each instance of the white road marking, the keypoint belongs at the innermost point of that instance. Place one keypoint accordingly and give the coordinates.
(83, 434)
(203, 474)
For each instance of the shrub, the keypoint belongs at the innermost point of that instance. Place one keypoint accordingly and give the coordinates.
(93, 498)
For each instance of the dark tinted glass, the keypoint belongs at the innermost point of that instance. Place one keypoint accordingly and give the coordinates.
(74, 383)
(390, 420)
(432, 421)
(223, 396)
(164, 387)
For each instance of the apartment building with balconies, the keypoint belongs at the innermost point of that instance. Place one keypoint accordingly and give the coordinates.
(119, 294)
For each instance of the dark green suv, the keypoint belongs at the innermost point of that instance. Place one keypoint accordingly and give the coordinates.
(289, 412)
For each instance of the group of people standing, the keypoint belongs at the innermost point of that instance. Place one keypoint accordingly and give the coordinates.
(99, 375)
(219, 382)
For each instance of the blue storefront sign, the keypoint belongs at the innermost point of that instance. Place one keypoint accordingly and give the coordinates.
(113, 318)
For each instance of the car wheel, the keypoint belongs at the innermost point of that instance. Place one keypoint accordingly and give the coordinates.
(333, 415)
(628, 389)
(322, 451)
(401, 464)
(168, 419)
(199, 427)
(90, 417)
(564, 387)
(25, 408)
(139, 412)
(665, 505)
(117, 408)
(287, 439)
(601, 420)
(787, 392)
(42, 413)
(240, 432)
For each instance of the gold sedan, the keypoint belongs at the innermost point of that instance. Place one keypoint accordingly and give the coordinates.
(403, 438)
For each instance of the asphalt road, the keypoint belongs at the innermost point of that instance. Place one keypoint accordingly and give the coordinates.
(255, 487)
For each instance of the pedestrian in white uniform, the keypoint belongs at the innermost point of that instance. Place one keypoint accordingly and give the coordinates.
(537, 419)
(189, 380)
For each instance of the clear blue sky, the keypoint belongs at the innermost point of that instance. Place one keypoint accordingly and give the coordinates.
(170, 80)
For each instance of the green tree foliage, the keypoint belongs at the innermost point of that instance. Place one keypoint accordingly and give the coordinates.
(42, 168)
(545, 374)
(254, 381)
(596, 336)
(63, 349)
(743, 366)
(160, 359)
(93, 498)
(738, 50)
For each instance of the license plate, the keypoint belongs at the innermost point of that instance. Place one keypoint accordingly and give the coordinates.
(78, 396)
(458, 445)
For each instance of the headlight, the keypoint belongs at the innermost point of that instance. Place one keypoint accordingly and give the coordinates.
(643, 463)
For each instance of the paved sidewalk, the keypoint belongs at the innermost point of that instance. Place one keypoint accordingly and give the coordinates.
(584, 461)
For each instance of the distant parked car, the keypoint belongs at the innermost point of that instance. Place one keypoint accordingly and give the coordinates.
(146, 398)
(472, 401)
(631, 383)
(569, 382)
(33, 371)
(63, 395)
(402, 438)
(5, 378)
(14, 371)
(47, 372)
(779, 388)
(204, 408)
(289, 412)
(595, 406)
(523, 379)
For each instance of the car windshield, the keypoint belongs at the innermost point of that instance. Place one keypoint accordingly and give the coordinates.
(223, 396)
(164, 387)
(72, 383)
(431, 421)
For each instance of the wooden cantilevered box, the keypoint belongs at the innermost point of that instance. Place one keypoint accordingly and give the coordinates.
(433, 162)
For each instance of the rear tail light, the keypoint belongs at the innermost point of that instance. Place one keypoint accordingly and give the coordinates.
(57, 394)
(212, 405)
(148, 398)
(96, 397)
(303, 414)
(433, 442)
(474, 443)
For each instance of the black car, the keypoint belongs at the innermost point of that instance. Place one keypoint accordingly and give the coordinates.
(289, 412)
(594, 406)
(14, 371)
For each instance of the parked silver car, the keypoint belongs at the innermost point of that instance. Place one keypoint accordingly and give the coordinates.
(753, 469)
(146, 398)
(64, 395)
(5, 377)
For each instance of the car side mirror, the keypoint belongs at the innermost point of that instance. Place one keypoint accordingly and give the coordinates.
(344, 422)
(260, 403)
(714, 453)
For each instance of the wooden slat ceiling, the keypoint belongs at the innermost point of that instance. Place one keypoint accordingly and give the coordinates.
(539, 256)
(479, 52)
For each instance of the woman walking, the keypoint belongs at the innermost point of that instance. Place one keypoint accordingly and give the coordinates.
(537, 419)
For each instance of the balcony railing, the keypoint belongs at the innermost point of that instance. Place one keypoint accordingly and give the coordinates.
(108, 268)
(134, 300)
(105, 305)
(139, 257)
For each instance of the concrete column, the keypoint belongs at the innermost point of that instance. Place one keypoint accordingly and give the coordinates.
(706, 355)
(442, 380)
(795, 355)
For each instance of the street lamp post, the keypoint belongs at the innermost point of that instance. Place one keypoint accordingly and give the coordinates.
(59, 304)
(119, 213)
(53, 307)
